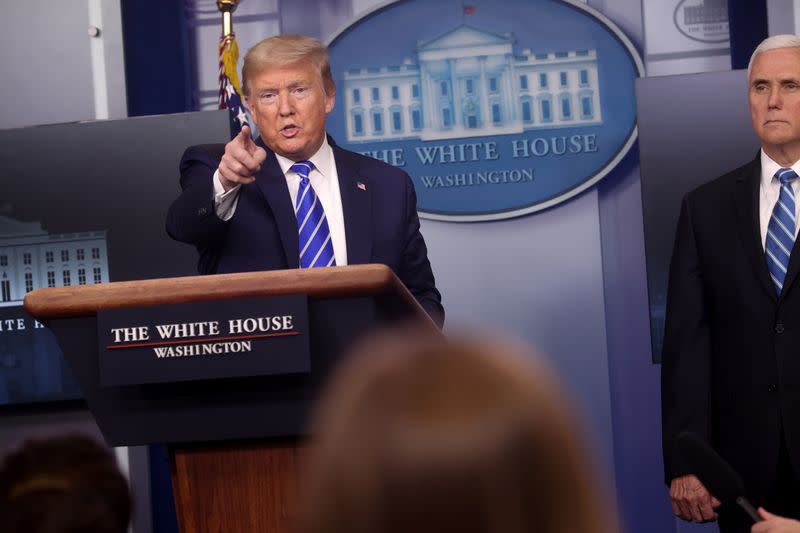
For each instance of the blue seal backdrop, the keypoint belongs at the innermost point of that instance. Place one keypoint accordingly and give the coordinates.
(445, 81)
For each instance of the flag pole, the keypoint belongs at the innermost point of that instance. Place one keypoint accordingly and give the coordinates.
(227, 7)
(229, 89)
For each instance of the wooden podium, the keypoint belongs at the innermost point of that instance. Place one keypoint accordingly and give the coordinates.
(235, 443)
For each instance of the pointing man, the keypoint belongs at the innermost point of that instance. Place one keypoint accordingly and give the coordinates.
(292, 198)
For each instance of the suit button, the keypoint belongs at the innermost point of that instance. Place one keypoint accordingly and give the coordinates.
(779, 328)
(772, 387)
(202, 211)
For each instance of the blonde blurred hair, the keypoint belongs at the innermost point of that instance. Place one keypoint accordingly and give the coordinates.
(283, 51)
(420, 433)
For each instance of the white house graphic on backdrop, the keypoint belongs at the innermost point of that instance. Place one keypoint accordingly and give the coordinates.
(468, 83)
(31, 258)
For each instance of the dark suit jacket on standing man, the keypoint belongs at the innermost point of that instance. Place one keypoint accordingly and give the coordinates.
(380, 219)
(731, 357)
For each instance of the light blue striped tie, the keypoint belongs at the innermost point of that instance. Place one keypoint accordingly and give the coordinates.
(316, 248)
(780, 231)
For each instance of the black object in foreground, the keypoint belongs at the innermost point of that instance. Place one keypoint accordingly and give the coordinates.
(714, 472)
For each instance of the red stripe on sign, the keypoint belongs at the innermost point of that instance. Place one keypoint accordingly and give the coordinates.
(213, 339)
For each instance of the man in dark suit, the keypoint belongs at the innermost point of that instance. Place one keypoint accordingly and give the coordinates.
(242, 204)
(731, 358)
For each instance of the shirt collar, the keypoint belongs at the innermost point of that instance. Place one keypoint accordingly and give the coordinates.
(321, 159)
(770, 167)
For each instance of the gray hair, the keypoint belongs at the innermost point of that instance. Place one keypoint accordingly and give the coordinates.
(772, 43)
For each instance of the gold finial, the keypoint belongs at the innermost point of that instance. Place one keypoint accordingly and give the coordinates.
(227, 7)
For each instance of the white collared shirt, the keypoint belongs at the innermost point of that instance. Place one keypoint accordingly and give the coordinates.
(325, 181)
(770, 190)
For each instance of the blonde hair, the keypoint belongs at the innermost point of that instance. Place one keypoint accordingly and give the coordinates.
(285, 50)
(419, 433)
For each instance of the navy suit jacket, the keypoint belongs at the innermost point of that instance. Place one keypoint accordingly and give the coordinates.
(731, 358)
(380, 219)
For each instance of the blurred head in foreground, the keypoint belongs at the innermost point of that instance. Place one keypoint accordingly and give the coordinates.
(418, 433)
(68, 484)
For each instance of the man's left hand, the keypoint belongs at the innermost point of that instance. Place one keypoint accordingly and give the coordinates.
(691, 500)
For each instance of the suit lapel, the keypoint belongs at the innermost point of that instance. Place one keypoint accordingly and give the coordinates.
(272, 184)
(749, 223)
(356, 196)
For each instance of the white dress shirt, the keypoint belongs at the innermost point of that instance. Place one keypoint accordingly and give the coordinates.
(770, 190)
(325, 181)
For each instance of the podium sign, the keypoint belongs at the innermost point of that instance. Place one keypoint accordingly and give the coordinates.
(234, 418)
(204, 340)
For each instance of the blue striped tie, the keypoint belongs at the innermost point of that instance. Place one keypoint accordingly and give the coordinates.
(780, 231)
(316, 248)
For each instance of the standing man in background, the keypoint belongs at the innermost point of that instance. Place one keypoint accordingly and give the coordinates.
(292, 198)
(731, 358)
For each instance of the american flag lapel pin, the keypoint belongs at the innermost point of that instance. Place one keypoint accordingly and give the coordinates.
(361, 185)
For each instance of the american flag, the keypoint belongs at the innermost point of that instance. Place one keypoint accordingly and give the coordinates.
(229, 89)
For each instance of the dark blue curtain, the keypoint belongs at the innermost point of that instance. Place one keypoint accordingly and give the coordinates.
(156, 50)
(748, 27)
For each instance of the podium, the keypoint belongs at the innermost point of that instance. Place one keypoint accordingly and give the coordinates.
(235, 443)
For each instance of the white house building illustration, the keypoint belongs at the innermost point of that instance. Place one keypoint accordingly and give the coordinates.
(706, 12)
(31, 258)
(467, 83)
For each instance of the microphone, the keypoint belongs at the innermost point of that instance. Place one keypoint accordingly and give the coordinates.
(714, 472)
